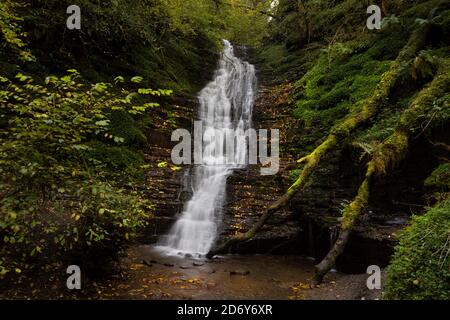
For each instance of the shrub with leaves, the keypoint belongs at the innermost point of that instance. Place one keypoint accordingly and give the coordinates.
(11, 32)
(420, 268)
(56, 191)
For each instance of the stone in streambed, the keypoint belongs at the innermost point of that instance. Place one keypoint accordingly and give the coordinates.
(239, 273)
(185, 267)
(198, 264)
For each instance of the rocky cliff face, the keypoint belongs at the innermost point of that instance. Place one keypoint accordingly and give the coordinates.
(165, 179)
(249, 193)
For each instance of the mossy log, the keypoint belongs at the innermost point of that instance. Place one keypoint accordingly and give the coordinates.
(371, 107)
(387, 156)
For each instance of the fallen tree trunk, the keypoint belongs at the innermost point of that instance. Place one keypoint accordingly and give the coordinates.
(387, 156)
(371, 107)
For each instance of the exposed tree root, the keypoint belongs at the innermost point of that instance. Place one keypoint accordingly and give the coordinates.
(387, 156)
(371, 107)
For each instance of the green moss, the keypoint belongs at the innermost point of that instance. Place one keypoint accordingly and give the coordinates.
(439, 178)
(294, 175)
(353, 210)
(341, 78)
(420, 268)
(387, 44)
(443, 21)
(273, 55)
(435, 94)
(311, 162)
(381, 129)
(422, 10)
(391, 152)
(283, 64)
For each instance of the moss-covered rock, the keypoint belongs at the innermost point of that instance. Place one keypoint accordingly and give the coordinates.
(440, 178)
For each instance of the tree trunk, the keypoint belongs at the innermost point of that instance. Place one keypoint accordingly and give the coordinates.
(330, 260)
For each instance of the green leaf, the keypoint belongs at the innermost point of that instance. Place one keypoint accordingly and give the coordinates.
(162, 164)
(119, 79)
(100, 87)
(102, 123)
(137, 79)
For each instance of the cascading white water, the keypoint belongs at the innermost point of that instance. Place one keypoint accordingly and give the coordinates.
(225, 104)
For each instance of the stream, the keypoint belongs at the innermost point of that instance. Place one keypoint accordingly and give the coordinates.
(149, 274)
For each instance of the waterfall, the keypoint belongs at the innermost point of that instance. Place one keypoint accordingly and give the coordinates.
(225, 104)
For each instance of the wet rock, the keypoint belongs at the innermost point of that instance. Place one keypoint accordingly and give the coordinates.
(198, 264)
(239, 273)
(185, 267)
(249, 193)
